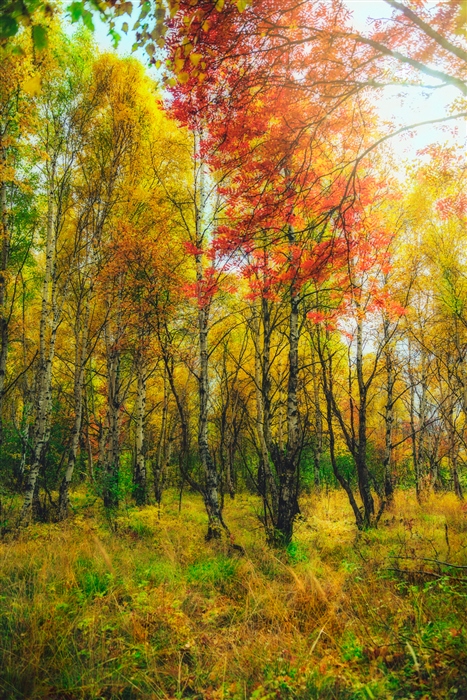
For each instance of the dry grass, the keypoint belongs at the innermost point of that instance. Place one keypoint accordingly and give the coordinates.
(148, 609)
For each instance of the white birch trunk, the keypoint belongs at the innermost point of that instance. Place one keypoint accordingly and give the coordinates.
(141, 495)
(81, 352)
(47, 336)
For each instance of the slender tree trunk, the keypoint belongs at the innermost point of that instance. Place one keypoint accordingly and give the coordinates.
(318, 441)
(25, 429)
(161, 454)
(141, 492)
(47, 335)
(112, 457)
(288, 473)
(421, 435)
(328, 388)
(413, 439)
(81, 352)
(454, 451)
(88, 441)
(211, 489)
(230, 477)
(455, 479)
(224, 457)
(388, 420)
(266, 483)
(360, 457)
(4, 255)
(24, 435)
(211, 486)
(184, 426)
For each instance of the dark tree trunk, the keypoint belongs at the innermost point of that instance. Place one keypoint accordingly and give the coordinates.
(288, 463)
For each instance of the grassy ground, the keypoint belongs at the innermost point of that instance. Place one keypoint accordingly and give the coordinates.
(147, 609)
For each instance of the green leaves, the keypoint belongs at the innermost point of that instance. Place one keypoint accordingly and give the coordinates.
(78, 11)
(26, 13)
(39, 36)
(115, 37)
(8, 27)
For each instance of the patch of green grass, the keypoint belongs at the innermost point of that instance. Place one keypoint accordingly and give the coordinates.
(140, 529)
(92, 582)
(212, 573)
(297, 552)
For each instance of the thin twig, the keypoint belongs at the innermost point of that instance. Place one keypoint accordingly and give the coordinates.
(426, 573)
(435, 561)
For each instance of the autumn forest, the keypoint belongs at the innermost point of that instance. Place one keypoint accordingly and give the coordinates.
(233, 350)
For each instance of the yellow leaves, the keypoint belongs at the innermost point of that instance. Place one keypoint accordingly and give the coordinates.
(179, 64)
(206, 26)
(195, 58)
(32, 86)
(123, 8)
(220, 5)
(242, 5)
(183, 77)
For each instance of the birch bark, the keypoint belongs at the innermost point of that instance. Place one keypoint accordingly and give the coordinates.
(4, 255)
(81, 353)
(47, 337)
(141, 493)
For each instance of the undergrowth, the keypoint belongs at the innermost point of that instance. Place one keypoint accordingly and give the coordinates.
(143, 607)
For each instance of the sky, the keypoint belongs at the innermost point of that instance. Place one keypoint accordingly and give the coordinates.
(395, 105)
(414, 104)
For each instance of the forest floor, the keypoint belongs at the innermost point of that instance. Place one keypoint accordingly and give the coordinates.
(143, 607)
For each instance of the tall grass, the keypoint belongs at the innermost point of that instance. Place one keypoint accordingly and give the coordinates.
(148, 609)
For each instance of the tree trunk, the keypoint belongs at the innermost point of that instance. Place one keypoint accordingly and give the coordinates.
(81, 351)
(266, 483)
(211, 489)
(4, 255)
(88, 441)
(112, 457)
(388, 416)
(141, 493)
(161, 455)
(211, 486)
(328, 388)
(288, 473)
(317, 445)
(47, 336)
(360, 457)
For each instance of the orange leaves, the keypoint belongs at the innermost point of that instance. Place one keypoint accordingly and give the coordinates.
(283, 154)
(452, 206)
(204, 289)
(192, 249)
